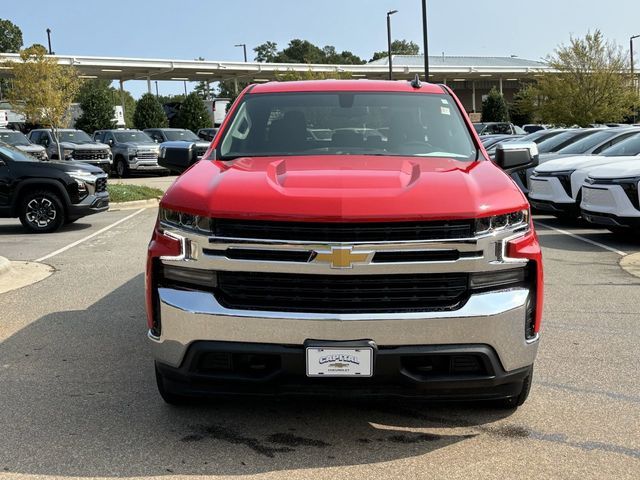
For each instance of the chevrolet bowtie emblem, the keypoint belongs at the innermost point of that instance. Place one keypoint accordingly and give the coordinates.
(341, 257)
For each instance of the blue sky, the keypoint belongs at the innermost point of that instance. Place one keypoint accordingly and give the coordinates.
(187, 29)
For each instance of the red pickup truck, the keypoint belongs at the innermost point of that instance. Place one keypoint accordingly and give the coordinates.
(345, 237)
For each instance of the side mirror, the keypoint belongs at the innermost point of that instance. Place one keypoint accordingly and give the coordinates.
(110, 142)
(177, 156)
(515, 156)
(3, 163)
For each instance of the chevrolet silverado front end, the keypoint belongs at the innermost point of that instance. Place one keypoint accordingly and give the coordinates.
(391, 257)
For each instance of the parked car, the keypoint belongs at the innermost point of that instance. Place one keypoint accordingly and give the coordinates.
(133, 151)
(75, 145)
(489, 140)
(207, 133)
(282, 261)
(46, 195)
(161, 135)
(21, 142)
(549, 146)
(533, 127)
(498, 128)
(556, 186)
(593, 144)
(610, 196)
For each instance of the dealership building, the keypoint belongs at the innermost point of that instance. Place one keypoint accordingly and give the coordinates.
(470, 77)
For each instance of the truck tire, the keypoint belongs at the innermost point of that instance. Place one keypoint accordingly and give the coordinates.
(41, 211)
(170, 396)
(518, 400)
(121, 168)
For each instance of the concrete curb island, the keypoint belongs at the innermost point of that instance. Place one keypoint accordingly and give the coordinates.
(14, 275)
(135, 204)
(631, 264)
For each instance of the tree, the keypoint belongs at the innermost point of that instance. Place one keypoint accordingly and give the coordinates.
(592, 84)
(399, 47)
(149, 113)
(524, 107)
(266, 52)
(43, 90)
(10, 37)
(10, 42)
(96, 102)
(303, 51)
(494, 108)
(193, 114)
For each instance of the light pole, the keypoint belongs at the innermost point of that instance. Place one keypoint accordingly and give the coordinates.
(425, 40)
(49, 40)
(389, 42)
(633, 77)
(244, 49)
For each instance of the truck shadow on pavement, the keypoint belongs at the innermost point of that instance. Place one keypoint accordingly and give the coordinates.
(78, 398)
(18, 229)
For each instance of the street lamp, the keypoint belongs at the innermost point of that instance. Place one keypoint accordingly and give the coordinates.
(244, 48)
(49, 39)
(389, 42)
(425, 40)
(633, 77)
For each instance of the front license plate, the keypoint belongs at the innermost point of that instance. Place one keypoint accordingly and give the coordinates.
(339, 362)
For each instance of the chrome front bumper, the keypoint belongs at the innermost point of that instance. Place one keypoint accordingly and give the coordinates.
(496, 319)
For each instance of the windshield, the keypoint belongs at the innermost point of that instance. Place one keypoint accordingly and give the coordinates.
(629, 146)
(564, 139)
(347, 123)
(75, 136)
(541, 135)
(184, 135)
(132, 136)
(10, 153)
(478, 127)
(13, 138)
(588, 143)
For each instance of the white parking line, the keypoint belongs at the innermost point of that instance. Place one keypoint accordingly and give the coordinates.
(89, 237)
(584, 239)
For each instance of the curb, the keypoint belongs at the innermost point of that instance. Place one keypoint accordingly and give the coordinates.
(135, 204)
(631, 264)
(5, 266)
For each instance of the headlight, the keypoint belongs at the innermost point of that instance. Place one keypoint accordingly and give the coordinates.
(82, 179)
(132, 152)
(67, 153)
(507, 221)
(186, 221)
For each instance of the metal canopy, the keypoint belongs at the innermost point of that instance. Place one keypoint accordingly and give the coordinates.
(124, 69)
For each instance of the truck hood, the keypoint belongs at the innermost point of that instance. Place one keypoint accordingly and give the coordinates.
(84, 146)
(574, 163)
(144, 145)
(30, 148)
(344, 188)
(622, 169)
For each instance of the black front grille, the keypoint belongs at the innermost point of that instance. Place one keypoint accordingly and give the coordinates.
(200, 151)
(343, 232)
(341, 293)
(101, 185)
(91, 155)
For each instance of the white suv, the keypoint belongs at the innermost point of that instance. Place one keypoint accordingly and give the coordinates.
(610, 196)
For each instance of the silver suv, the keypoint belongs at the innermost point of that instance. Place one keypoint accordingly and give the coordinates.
(132, 150)
(75, 145)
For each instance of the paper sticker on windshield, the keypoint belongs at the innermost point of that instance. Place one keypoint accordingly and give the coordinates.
(445, 101)
(445, 111)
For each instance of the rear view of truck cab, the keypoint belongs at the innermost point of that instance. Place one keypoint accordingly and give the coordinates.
(346, 238)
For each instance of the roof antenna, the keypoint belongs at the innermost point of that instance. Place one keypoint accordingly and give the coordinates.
(416, 83)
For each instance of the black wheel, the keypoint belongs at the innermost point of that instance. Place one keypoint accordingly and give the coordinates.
(121, 167)
(170, 396)
(41, 212)
(518, 400)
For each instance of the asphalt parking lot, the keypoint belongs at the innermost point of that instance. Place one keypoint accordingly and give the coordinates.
(78, 397)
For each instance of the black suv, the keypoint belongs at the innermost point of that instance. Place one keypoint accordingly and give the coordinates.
(46, 195)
